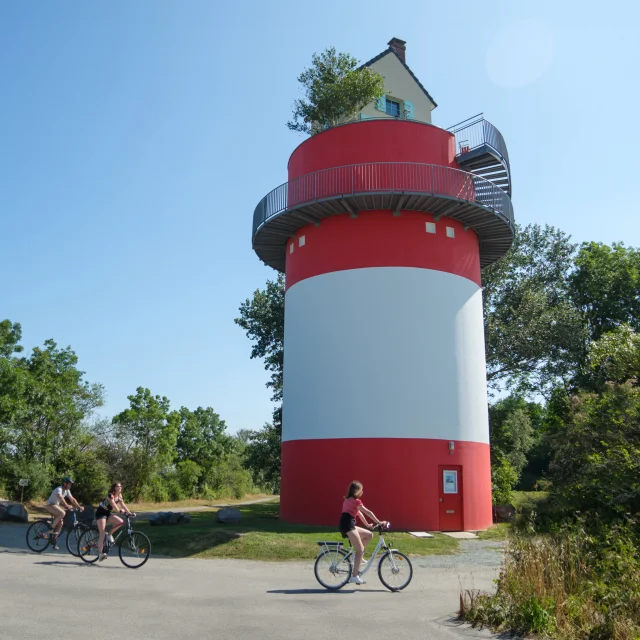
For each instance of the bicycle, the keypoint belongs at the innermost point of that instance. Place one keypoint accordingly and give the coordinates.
(334, 563)
(41, 534)
(132, 545)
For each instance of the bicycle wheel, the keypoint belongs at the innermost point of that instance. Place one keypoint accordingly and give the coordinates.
(38, 535)
(134, 550)
(333, 568)
(73, 539)
(88, 546)
(395, 570)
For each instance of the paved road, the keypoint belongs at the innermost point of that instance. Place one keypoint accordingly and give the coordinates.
(222, 598)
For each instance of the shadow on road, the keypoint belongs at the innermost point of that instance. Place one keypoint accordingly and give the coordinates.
(79, 564)
(302, 592)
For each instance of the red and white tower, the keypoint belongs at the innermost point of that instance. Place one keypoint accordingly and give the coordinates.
(382, 231)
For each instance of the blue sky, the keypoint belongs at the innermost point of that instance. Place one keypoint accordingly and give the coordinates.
(136, 139)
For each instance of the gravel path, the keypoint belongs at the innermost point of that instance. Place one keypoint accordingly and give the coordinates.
(473, 553)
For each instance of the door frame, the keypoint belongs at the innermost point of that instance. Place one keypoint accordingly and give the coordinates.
(453, 467)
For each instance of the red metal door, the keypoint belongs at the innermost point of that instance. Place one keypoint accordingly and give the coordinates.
(451, 498)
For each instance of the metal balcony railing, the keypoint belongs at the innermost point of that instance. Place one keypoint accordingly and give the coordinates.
(476, 132)
(383, 177)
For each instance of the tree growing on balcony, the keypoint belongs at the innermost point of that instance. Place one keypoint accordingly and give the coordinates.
(336, 90)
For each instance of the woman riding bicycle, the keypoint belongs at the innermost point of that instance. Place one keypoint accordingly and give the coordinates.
(104, 515)
(359, 537)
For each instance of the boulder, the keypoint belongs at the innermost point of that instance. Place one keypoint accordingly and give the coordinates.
(503, 512)
(15, 512)
(168, 518)
(228, 515)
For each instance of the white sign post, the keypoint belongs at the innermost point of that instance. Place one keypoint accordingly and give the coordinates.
(22, 483)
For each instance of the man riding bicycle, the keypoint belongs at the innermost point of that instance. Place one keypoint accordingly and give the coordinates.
(58, 497)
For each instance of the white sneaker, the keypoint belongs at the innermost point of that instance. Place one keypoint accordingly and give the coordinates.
(357, 580)
(110, 538)
(102, 557)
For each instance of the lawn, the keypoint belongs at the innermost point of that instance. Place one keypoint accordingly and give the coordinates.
(500, 531)
(263, 536)
(37, 510)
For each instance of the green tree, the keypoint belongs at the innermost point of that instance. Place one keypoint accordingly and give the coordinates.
(44, 402)
(336, 89)
(616, 355)
(262, 318)
(10, 336)
(262, 455)
(202, 440)
(595, 468)
(534, 334)
(148, 429)
(606, 287)
(512, 434)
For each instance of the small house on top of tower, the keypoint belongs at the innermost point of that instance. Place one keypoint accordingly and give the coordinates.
(404, 95)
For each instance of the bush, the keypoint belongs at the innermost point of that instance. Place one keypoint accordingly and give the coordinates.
(89, 473)
(39, 476)
(229, 479)
(156, 490)
(503, 479)
(572, 584)
(596, 454)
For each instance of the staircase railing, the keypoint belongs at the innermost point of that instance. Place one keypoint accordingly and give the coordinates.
(476, 132)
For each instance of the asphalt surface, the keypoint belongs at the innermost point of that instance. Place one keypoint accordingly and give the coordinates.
(56, 594)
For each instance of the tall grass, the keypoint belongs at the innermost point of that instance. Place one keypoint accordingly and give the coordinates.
(571, 585)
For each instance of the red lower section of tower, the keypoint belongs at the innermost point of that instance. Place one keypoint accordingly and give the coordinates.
(401, 477)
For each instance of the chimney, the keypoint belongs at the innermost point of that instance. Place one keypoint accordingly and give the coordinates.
(399, 47)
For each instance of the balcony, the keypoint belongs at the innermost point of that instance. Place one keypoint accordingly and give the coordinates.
(481, 149)
(478, 203)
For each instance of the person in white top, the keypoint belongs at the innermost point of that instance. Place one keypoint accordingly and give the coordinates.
(58, 497)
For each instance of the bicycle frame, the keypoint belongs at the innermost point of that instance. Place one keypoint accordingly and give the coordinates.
(126, 526)
(327, 546)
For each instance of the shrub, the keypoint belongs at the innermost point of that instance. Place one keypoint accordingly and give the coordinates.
(570, 584)
(40, 480)
(503, 479)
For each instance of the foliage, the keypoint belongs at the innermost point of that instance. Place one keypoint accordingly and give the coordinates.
(511, 426)
(262, 454)
(203, 441)
(503, 479)
(534, 335)
(616, 355)
(38, 474)
(573, 584)
(262, 318)
(48, 430)
(149, 430)
(605, 286)
(336, 90)
(595, 466)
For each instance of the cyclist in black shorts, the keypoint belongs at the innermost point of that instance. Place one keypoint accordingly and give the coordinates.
(105, 516)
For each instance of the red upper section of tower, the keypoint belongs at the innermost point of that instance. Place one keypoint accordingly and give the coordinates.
(380, 239)
(375, 141)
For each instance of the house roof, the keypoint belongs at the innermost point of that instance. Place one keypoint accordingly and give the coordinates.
(405, 65)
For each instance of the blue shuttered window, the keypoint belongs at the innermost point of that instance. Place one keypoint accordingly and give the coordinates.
(408, 108)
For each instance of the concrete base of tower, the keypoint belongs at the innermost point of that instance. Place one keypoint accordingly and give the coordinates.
(416, 484)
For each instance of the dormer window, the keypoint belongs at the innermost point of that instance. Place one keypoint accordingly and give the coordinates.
(392, 108)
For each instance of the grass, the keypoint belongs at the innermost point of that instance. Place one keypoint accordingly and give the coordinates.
(37, 510)
(521, 498)
(568, 586)
(498, 531)
(181, 504)
(261, 535)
